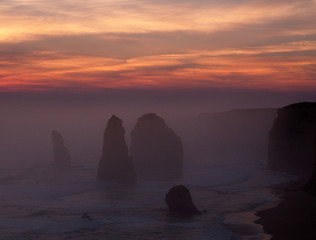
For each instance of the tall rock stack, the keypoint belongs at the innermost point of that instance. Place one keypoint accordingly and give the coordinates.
(291, 138)
(115, 164)
(156, 149)
(61, 154)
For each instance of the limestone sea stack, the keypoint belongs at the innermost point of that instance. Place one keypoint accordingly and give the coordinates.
(179, 200)
(61, 154)
(291, 138)
(156, 149)
(115, 164)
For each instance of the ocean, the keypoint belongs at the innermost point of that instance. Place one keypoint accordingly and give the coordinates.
(40, 201)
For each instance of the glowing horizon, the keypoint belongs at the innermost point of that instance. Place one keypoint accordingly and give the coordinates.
(154, 44)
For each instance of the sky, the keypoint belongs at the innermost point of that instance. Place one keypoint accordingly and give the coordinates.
(85, 46)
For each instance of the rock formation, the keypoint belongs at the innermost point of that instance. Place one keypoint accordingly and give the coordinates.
(310, 186)
(179, 200)
(61, 154)
(291, 138)
(115, 164)
(156, 149)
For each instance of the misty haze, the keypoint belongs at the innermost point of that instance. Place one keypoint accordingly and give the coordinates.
(223, 162)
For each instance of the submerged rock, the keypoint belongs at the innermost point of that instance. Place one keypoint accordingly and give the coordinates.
(179, 200)
(61, 154)
(115, 164)
(86, 216)
(156, 149)
(291, 138)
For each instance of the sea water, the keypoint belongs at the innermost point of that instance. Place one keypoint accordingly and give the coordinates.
(40, 201)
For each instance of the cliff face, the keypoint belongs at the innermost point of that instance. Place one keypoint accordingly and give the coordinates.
(156, 149)
(292, 136)
(115, 164)
(236, 131)
(61, 154)
(310, 186)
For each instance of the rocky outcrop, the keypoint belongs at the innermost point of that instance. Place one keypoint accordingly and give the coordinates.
(61, 154)
(291, 138)
(310, 186)
(156, 149)
(179, 200)
(115, 164)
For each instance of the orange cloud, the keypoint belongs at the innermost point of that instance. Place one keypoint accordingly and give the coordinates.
(157, 44)
(166, 71)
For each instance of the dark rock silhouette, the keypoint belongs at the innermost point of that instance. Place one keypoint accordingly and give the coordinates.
(156, 149)
(115, 164)
(291, 138)
(310, 186)
(86, 216)
(179, 200)
(61, 154)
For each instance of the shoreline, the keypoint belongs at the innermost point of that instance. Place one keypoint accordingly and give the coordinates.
(244, 223)
(294, 218)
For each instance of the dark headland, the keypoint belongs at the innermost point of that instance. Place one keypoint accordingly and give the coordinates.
(293, 149)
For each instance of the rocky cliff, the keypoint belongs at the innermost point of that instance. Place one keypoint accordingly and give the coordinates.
(291, 138)
(310, 186)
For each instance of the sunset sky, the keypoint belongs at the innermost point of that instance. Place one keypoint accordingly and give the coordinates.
(86, 45)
